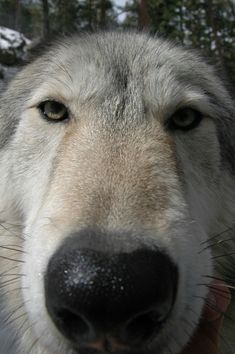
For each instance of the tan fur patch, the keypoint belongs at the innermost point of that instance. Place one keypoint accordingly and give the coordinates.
(114, 179)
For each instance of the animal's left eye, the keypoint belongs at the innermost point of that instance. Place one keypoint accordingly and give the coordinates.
(184, 119)
(53, 111)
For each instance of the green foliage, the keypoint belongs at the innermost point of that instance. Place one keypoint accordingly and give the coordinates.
(21, 15)
(96, 14)
(132, 17)
(205, 24)
(63, 15)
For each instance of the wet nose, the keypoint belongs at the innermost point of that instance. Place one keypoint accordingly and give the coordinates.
(92, 295)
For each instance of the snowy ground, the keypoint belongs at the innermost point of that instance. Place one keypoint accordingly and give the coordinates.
(12, 39)
(14, 43)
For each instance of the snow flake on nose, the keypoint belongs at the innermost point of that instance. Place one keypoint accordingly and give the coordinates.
(89, 274)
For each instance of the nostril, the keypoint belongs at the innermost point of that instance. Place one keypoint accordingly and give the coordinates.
(73, 325)
(141, 327)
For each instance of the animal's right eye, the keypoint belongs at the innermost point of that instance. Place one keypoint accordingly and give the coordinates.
(184, 119)
(53, 111)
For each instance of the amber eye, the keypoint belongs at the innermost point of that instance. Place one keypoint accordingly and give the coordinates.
(184, 119)
(53, 111)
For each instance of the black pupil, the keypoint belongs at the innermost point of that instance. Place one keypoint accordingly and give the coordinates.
(186, 115)
(56, 107)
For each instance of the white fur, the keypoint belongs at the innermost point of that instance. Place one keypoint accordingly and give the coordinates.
(43, 179)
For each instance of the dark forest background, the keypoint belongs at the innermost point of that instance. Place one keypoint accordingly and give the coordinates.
(205, 24)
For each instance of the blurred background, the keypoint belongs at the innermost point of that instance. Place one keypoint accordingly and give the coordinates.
(208, 25)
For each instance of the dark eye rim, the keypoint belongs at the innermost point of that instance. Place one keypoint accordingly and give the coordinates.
(45, 116)
(171, 125)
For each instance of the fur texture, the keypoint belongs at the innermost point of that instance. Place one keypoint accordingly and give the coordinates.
(114, 165)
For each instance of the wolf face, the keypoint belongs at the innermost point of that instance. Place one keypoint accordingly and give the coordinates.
(116, 159)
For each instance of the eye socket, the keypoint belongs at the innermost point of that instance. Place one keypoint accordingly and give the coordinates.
(184, 119)
(53, 111)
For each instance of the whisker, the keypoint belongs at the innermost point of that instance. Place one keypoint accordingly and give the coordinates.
(227, 286)
(219, 234)
(8, 270)
(19, 275)
(12, 274)
(15, 289)
(15, 234)
(11, 248)
(218, 243)
(28, 327)
(226, 268)
(12, 259)
(215, 308)
(8, 282)
(18, 245)
(219, 279)
(220, 292)
(13, 313)
(223, 255)
(15, 319)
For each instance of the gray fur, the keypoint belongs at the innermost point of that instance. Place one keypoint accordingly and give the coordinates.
(123, 84)
(119, 61)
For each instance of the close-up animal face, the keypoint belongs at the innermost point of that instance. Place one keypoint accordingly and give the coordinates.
(116, 165)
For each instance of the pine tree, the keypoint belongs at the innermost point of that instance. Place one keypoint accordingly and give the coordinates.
(46, 20)
(64, 16)
(204, 24)
(95, 14)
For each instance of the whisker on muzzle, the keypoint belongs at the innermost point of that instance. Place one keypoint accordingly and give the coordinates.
(9, 282)
(228, 281)
(211, 238)
(14, 290)
(217, 243)
(13, 248)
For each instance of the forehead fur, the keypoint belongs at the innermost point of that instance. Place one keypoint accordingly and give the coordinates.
(125, 73)
(101, 66)
(121, 58)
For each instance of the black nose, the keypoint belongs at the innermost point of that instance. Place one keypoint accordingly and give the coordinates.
(94, 294)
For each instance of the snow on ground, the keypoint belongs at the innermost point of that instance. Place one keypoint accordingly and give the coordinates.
(121, 3)
(12, 39)
(13, 47)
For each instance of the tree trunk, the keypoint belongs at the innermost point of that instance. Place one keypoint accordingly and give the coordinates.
(143, 16)
(46, 22)
(102, 20)
(18, 16)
